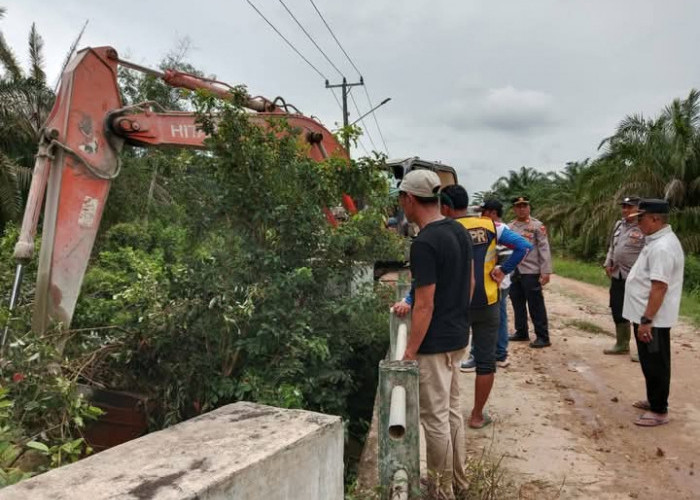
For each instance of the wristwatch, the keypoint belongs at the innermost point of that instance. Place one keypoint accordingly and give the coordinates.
(645, 321)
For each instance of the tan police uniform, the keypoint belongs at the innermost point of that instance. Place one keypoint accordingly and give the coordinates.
(526, 290)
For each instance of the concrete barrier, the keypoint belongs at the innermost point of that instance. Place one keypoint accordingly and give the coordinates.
(241, 451)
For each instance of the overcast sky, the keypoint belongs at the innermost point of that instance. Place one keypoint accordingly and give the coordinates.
(483, 86)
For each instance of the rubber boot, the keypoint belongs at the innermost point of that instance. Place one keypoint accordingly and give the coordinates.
(623, 334)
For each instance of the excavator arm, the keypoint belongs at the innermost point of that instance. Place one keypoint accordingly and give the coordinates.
(78, 158)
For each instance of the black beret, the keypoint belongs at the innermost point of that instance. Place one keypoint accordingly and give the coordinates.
(653, 206)
(630, 200)
(492, 205)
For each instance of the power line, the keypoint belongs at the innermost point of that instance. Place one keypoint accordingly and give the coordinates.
(369, 100)
(287, 41)
(334, 37)
(362, 144)
(376, 122)
(363, 122)
(344, 85)
(359, 139)
(345, 88)
(311, 38)
(336, 99)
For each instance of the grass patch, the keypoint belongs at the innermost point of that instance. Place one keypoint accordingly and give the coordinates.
(581, 271)
(690, 307)
(487, 481)
(594, 274)
(587, 326)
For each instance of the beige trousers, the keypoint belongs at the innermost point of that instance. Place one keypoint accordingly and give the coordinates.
(442, 420)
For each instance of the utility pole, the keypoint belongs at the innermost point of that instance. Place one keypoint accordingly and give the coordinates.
(345, 86)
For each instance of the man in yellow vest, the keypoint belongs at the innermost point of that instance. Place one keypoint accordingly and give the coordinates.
(484, 308)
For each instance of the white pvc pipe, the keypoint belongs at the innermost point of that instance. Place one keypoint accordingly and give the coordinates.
(401, 340)
(397, 412)
(399, 485)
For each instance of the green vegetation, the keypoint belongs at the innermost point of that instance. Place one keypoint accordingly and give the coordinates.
(215, 278)
(25, 102)
(649, 157)
(592, 273)
(587, 272)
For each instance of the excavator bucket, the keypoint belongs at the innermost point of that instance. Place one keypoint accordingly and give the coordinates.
(83, 161)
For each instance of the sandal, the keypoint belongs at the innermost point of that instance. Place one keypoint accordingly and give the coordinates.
(651, 420)
(642, 405)
(487, 420)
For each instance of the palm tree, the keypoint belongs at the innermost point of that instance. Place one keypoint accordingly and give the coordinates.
(518, 182)
(25, 100)
(661, 158)
(25, 103)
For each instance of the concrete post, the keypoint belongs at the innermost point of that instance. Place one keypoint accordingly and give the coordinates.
(399, 433)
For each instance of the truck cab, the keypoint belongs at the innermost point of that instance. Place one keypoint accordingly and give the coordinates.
(400, 167)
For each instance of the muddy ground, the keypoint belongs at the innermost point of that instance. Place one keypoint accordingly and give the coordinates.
(563, 415)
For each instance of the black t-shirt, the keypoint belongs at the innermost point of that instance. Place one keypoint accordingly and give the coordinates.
(441, 254)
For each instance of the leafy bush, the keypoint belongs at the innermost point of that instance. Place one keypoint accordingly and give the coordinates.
(691, 277)
(226, 283)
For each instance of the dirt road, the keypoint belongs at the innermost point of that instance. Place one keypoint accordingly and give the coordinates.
(563, 415)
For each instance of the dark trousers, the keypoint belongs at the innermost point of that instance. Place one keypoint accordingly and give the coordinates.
(655, 358)
(617, 300)
(526, 294)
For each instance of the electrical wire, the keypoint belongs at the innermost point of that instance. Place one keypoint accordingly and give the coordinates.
(337, 100)
(287, 41)
(308, 35)
(274, 28)
(376, 122)
(369, 100)
(311, 38)
(362, 145)
(334, 37)
(362, 120)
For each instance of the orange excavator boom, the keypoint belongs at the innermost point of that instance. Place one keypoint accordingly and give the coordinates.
(78, 158)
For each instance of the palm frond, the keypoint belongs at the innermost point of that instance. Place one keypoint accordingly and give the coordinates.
(69, 55)
(10, 198)
(36, 45)
(675, 192)
(8, 59)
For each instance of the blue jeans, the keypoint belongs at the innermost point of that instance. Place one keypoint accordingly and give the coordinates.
(502, 346)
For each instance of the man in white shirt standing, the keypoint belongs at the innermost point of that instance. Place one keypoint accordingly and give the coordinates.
(652, 301)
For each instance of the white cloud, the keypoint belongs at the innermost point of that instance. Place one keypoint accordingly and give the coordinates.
(511, 109)
(504, 109)
(484, 86)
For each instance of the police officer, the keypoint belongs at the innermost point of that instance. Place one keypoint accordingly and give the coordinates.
(626, 241)
(530, 276)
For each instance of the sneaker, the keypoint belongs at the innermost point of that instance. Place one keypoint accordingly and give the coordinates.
(518, 338)
(469, 365)
(539, 343)
(502, 363)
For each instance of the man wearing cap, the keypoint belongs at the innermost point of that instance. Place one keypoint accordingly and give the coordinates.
(626, 241)
(530, 276)
(652, 301)
(441, 272)
(484, 309)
